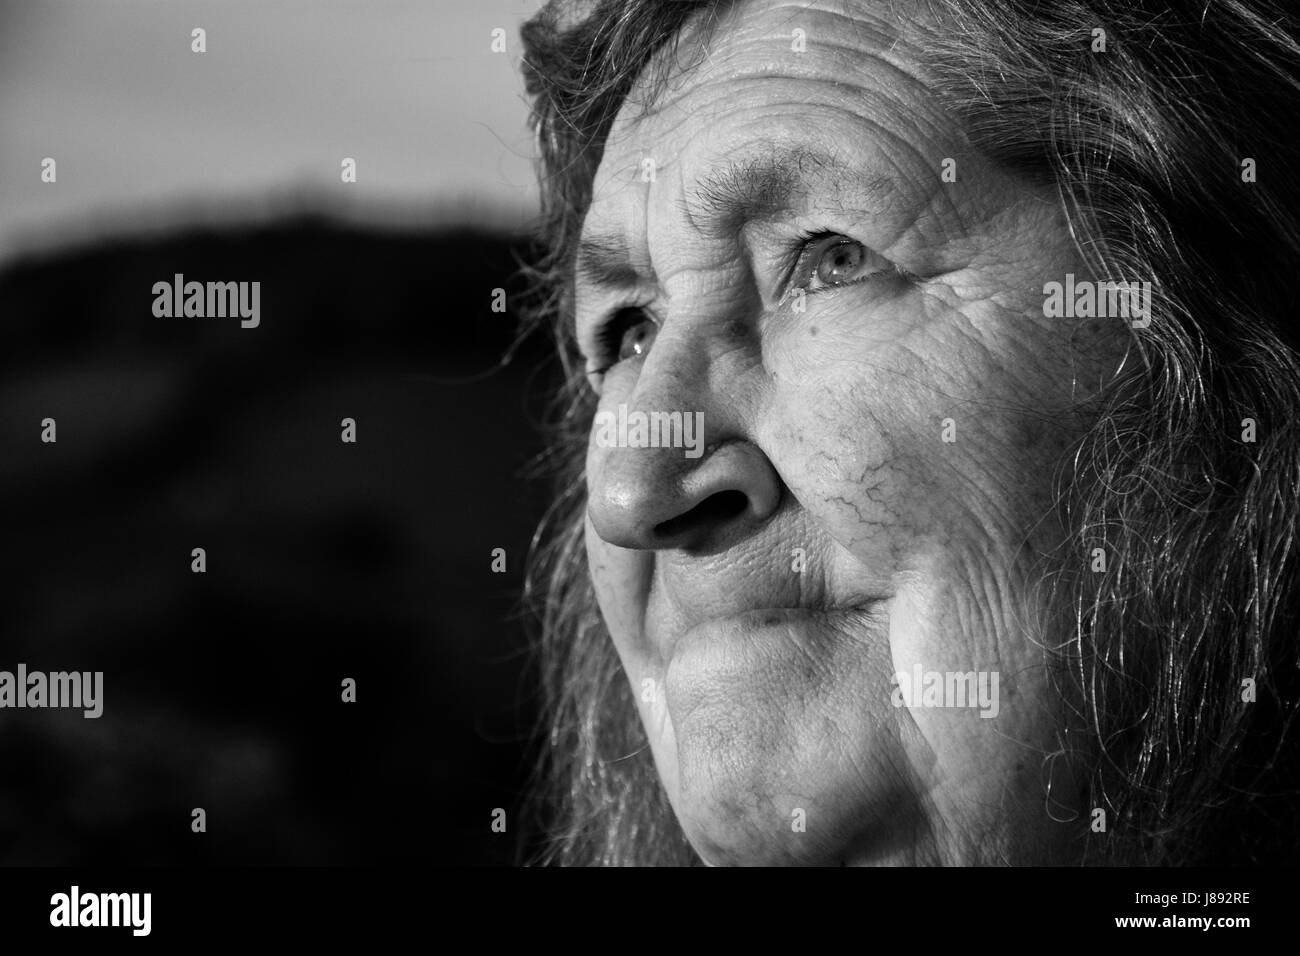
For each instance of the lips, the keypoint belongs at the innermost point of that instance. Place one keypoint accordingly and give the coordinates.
(735, 651)
(762, 618)
(724, 587)
(686, 598)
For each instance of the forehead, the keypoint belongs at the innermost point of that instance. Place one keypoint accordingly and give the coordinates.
(821, 41)
(831, 92)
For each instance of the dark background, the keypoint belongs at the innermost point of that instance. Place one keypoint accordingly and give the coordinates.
(325, 560)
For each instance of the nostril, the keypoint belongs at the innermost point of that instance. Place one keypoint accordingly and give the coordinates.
(715, 509)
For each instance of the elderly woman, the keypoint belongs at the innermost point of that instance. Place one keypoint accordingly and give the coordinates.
(986, 314)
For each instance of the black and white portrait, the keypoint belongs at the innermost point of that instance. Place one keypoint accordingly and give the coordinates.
(652, 433)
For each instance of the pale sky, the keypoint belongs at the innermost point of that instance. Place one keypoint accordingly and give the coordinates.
(147, 133)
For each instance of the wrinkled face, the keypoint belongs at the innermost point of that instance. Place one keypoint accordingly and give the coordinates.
(819, 581)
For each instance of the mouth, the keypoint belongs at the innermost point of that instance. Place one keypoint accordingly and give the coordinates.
(771, 616)
(764, 637)
(760, 620)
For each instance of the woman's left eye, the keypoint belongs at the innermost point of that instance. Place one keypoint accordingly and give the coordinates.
(831, 260)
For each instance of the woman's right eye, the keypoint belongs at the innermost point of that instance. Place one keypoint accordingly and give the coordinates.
(629, 332)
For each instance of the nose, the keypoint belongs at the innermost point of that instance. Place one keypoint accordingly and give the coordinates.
(656, 498)
(723, 488)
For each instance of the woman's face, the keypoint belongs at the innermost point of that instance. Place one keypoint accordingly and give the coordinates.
(851, 299)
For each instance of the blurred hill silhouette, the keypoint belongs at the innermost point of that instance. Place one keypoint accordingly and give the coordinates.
(325, 560)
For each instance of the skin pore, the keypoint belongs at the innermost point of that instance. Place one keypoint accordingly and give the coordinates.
(884, 406)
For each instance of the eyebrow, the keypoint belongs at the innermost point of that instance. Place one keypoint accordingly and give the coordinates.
(766, 187)
(758, 188)
(606, 261)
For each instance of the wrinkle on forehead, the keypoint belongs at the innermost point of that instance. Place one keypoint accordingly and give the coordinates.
(850, 44)
(731, 40)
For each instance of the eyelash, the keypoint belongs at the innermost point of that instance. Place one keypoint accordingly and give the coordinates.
(609, 336)
(806, 242)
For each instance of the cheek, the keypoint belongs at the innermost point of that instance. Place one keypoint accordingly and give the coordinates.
(918, 425)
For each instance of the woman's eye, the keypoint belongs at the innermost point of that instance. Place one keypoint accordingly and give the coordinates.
(839, 261)
(834, 260)
(628, 333)
(637, 339)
